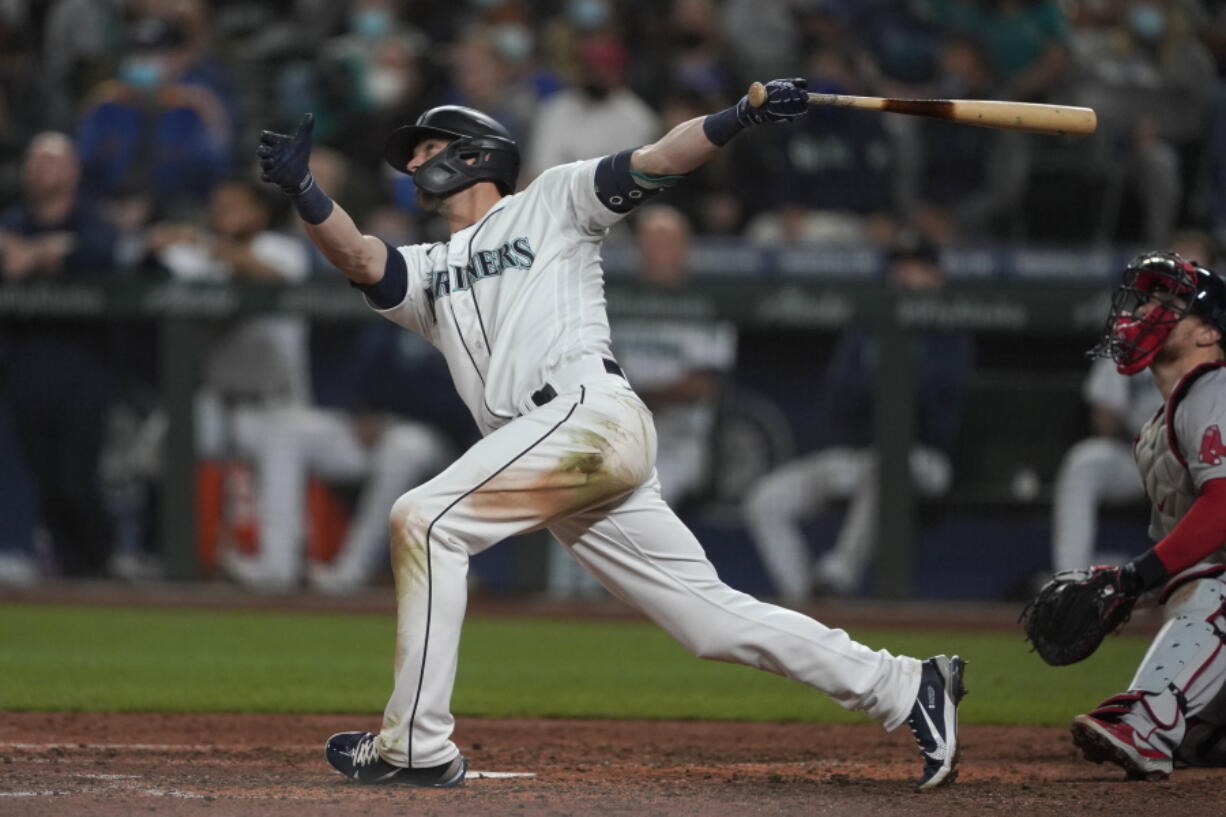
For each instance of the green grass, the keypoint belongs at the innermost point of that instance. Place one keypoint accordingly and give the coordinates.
(173, 660)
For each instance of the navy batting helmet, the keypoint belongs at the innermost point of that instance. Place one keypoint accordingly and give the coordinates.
(480, 150)
(1181, 287)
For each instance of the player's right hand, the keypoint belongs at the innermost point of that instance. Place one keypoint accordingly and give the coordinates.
(786, 99)
(284, 160)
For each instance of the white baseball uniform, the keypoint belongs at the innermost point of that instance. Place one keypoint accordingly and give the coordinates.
(1177, 452)
(655, 354)
(1099, 470)
(516, 305)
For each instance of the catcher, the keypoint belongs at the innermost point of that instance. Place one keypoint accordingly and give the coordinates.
(1168, 315)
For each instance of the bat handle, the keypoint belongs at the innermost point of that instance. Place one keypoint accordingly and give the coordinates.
(756, 94)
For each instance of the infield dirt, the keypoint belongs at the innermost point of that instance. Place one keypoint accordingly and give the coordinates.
(115, 765)
(234, 765)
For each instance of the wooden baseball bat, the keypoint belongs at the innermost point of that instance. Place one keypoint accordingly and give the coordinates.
(1030, 117)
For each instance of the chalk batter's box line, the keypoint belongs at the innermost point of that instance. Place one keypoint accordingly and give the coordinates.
(205, 747)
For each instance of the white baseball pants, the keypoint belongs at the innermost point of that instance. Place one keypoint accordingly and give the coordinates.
(1095, 471)
(301, 441)
(582, 465)
(780, 502)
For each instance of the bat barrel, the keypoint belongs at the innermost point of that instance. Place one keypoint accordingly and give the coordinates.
(1028, 117)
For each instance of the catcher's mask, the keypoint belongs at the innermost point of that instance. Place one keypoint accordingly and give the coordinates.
(479, 149)
(1159, 290)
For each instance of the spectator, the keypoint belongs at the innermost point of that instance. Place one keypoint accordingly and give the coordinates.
(595, 116)
(695, 54)
(1150, 81)
(369, 73)
(961, 183)
(1026, 40)
(59, 384)
(155, 130)
(784, 499)
(493, 72)
(902, 48)
(200, 65)
(763, 39)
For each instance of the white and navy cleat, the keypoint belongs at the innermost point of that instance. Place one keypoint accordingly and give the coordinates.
(934, 719)
(354, 755)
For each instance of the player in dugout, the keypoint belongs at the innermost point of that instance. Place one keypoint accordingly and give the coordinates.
(515, 302)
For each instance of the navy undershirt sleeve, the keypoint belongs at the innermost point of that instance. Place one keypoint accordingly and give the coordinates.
(388, 291)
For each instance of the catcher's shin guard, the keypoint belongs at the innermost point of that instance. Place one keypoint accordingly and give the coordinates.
(1183, 670)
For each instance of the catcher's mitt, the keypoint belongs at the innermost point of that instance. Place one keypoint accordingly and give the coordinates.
(1072, 614)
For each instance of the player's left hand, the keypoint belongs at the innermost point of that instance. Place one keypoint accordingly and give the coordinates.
(786, 99)
(284, 159)
(1072, 614)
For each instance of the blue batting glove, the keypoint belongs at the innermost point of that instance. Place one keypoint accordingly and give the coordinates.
(785, 99)
(284, 159)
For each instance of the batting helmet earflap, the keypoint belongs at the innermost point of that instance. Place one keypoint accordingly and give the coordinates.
(480, 149)
(1133, 341)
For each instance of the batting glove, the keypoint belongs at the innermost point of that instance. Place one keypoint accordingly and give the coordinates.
(284, 159)
(785, 99)
(285, 162)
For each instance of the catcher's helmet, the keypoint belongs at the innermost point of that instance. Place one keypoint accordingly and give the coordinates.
(1181, 288)
(474, 136)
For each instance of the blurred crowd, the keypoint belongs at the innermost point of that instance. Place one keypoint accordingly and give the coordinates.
(127, 130)
(162, 100)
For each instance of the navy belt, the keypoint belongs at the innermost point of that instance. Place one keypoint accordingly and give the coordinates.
(547, 392)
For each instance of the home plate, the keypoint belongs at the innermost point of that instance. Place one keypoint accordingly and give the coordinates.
(496, 775)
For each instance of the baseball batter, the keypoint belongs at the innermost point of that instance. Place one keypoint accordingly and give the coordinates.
(1170, 316)
(514, 300)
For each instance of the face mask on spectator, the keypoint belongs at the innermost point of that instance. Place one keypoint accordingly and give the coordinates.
(1147, 22)
(370, 24)
(587, 15)
(142, 73)
(385, 86)
(513, 41)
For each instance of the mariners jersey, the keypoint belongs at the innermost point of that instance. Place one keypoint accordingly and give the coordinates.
(1181, 448)
(517, 294)
(657, 353)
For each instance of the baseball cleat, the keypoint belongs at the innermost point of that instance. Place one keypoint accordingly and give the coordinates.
(1118, 743)
(354, 755)
(934, 719)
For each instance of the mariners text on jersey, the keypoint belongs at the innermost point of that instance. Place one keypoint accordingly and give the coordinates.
(514, 254)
